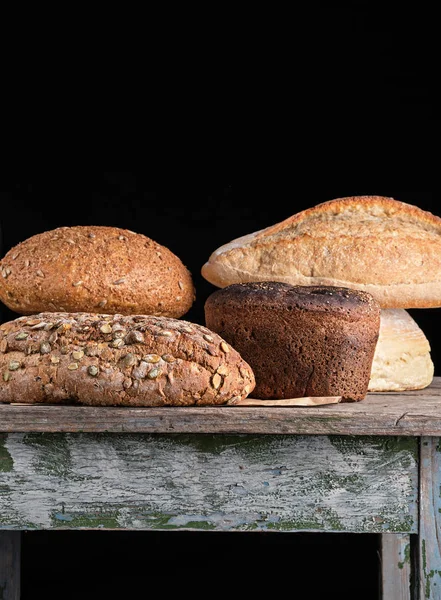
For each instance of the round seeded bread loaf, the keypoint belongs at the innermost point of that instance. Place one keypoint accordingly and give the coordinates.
(299, 340)
(116, 360)
(95, 269)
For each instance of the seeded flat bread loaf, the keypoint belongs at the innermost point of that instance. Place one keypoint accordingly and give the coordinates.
(380, 245)
(299, 340)
(95, 269)
(402, 359)
(117, 360)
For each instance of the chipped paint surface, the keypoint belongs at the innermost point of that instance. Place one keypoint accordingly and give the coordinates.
(205, 481)
(406, 557)
(430, 519)
(396, 570)
(5, 457)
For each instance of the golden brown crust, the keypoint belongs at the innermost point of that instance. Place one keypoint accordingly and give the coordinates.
(388, 248)
(117, 360)
(96, 269)
(377, 204)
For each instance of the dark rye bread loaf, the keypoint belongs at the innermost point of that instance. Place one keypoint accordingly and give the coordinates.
(95, 269)
(299, 340)
(118, 360)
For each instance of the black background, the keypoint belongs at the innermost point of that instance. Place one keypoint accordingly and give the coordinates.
(308, 110)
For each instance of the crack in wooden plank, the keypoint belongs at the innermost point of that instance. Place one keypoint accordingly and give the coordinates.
(400, 418)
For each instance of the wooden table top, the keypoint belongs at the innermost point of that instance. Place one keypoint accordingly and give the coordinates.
(413, 413)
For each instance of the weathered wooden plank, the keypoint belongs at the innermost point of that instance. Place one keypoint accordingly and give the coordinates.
(240, 482)
(430, 519)
(395, 567)
(10, 565)
(397, 414)
(392, 420)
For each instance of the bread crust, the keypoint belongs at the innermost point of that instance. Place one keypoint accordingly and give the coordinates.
(299, 340)
(95, 269)
(380, 245)
(116, 360)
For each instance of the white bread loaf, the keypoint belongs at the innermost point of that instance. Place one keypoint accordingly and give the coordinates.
(379, 245)
(402, 358)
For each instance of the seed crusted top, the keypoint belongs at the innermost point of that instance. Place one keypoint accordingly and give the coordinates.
(95, 268)
(101, 359)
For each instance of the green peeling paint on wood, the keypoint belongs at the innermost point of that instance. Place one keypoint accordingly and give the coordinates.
(209, 482)
(430, 523)
(89, 520)
(406, 559)
(55, 457)
(388, 446)
(6, 463)
(429, 575)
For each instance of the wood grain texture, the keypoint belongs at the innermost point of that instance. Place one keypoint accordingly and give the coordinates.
(386, 414)
(395, 567)
(208, 482)
(430, 519)
(10, 565)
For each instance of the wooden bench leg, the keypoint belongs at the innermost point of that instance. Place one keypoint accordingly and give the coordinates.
(430, 519)
(395, 567)
(10, 565)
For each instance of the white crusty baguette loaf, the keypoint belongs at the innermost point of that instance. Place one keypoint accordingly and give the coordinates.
(402, 358)
(379, 245)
